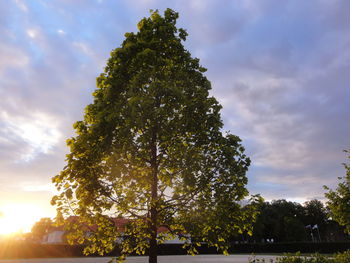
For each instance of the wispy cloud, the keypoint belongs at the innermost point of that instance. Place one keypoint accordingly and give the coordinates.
(39, 132)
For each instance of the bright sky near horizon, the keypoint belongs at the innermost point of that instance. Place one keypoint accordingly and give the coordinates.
(279, 68)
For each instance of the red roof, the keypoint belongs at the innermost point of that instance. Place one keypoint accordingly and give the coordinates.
(119, 222)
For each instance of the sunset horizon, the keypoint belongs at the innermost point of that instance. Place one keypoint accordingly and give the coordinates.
(279, 70)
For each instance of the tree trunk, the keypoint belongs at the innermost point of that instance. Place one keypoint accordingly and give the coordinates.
(153, 241)
(154, 199)
(152, 257)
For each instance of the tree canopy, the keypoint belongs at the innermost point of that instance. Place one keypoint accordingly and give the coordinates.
(281, 221)
(41, 228)
(285, 221)
(151, 149)
(339, 199)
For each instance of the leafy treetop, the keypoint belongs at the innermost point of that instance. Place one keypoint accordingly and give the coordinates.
(150, 148)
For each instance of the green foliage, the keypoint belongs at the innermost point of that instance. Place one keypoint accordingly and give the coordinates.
(41, 228)
(315, 213)
(150, 148)
(297, 258)
(339, 199)
(285, 221)
(314, 258)
(280, 220)
(342, 257)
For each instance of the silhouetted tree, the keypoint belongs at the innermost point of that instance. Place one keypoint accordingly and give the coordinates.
(281, 221)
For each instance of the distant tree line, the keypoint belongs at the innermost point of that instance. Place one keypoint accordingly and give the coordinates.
(278, 221)
(285, 221)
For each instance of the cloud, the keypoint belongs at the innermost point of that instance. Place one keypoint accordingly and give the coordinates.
(289, 102)
(38, 188)
(279, 68)
(21, 5)
(39, 132)
(12, 58)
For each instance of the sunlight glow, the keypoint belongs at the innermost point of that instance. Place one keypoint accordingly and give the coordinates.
(18, 217)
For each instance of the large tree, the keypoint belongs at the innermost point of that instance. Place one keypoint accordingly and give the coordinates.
(281, 221)
(151, 149)
(315, 213)
(339, 199)
(41, 228)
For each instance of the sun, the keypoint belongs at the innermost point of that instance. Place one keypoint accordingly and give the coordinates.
(18, 217)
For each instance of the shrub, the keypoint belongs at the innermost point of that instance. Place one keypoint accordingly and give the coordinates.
(298, 258)
(342, 257)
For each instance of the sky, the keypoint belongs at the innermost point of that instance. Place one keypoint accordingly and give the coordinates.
(280, 69)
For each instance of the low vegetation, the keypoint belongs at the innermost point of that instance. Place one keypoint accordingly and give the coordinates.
(298, 258)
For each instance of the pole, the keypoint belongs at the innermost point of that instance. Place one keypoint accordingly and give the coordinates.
(319, 237)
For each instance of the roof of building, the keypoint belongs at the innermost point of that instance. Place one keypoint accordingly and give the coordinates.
(119, 222)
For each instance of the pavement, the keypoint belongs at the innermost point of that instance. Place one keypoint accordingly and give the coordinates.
(161, 259)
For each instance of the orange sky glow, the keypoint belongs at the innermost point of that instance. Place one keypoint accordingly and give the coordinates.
(20, 217)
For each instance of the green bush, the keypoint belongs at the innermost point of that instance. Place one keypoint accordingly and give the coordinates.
(298, 258)
(342, 257)
(291, 247)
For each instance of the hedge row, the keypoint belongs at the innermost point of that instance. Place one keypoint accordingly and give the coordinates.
(303, 247)
(25, 250)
